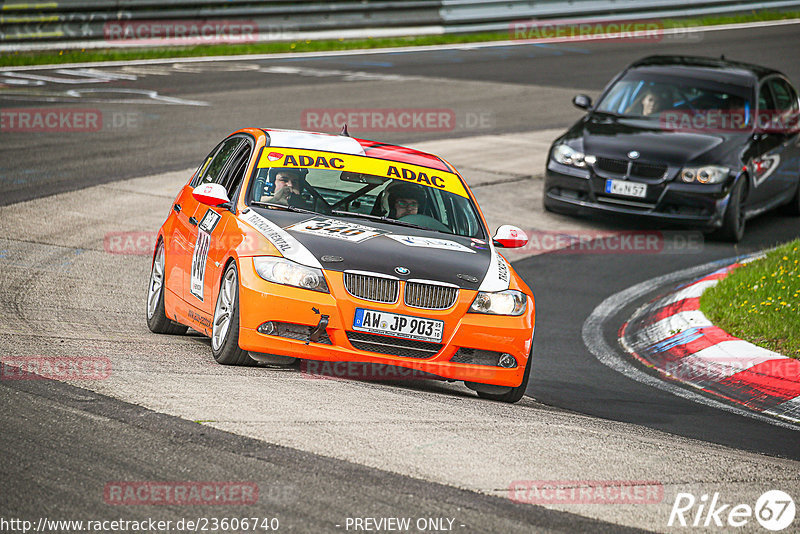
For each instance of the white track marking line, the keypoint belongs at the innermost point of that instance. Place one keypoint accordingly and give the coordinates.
(594, 340)
(404, 49)
(693, 291)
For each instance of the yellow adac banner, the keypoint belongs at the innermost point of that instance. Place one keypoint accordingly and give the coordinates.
(404, 172)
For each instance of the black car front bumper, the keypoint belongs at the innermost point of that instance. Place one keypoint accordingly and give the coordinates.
(582, 191)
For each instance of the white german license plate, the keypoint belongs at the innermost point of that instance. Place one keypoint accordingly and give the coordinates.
(629, 189)
(392, 324)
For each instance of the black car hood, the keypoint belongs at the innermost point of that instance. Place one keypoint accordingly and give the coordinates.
(615, 137)
(382, 254)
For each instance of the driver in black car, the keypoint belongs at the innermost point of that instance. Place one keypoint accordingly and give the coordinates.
(406, 199)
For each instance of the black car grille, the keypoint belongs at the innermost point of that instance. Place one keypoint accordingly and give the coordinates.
(617, 166)
(648, 170)
(406, 348)
(638, 169)
(374, 288)
(386, 290)
(476, 357)
(429, 296)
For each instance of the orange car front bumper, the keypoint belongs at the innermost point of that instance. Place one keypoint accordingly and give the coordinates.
(261, 301)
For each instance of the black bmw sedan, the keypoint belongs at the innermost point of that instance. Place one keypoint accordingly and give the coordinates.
(707, 143)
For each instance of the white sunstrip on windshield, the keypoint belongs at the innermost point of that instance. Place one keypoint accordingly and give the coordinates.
(286, 244)
(315, 141)
(498, 276)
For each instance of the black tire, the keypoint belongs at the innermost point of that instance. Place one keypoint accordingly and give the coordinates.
(733, 222)
(553, 206)
(516, 394)
(225, 346)
(793, 207)
(155, 313)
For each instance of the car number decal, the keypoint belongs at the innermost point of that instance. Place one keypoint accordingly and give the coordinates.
(199, 259)
(336, 229)
(430, 242)
(209, 221)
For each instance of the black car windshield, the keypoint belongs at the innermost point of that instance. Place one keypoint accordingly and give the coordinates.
(649, 96)
(350, 194)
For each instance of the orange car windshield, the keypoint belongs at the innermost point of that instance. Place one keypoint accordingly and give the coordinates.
(350, 194)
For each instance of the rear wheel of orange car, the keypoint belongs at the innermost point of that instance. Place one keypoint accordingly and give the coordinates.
(157, 319)
(225, 328)
(516, 394)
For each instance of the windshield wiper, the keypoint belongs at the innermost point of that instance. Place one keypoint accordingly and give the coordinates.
(381, 218)
(283, 207)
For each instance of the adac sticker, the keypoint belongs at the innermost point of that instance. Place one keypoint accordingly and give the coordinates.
(403, 172)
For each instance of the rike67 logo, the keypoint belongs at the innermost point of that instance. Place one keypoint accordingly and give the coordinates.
(774, 510)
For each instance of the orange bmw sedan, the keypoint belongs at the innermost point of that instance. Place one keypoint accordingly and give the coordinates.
(328, 248)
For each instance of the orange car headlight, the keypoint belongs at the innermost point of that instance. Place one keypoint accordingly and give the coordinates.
(289, 273)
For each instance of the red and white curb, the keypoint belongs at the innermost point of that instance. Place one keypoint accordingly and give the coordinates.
(671, 335)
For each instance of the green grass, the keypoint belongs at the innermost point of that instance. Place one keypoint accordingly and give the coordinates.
(760, 302)
(94, 55)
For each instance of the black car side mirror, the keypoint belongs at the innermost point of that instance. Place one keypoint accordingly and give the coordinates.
(582, 102)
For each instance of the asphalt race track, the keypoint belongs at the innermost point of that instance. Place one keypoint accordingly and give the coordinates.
(322, 451)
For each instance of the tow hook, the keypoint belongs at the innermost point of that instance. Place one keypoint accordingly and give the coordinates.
(318, 330)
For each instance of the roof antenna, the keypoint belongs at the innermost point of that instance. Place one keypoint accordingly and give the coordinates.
(344, 131)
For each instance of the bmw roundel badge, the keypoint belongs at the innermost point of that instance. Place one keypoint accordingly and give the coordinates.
(402, 270)
(633, 154)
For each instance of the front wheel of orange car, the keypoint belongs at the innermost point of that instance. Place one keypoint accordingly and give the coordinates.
(157, 319)
(225, 328)
(515, 394)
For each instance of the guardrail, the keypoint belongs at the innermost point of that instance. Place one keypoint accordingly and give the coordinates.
(123, 23)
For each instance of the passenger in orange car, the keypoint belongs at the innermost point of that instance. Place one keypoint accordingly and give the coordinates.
(406, 199)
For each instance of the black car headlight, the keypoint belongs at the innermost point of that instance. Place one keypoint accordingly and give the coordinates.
(508, 302)
(710, 174)
(566, 155)
(289, 273)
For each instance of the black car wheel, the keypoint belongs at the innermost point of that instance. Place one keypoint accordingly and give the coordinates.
(157, 319)
(225, 328)
(516, 393)
(793, 207)
(733, 222)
